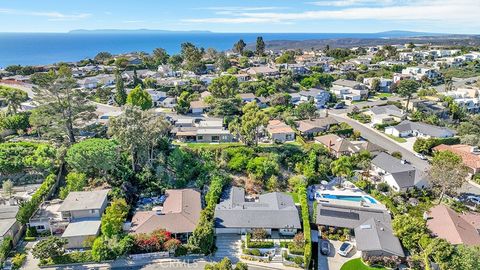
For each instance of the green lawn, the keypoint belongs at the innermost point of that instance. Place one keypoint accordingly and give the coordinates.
(380, 95)
(209, 145)
(357, 264)
(397, 139)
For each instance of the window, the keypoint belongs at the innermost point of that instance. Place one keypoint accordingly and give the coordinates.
(93, 211)
(40, 227)
(199, 138)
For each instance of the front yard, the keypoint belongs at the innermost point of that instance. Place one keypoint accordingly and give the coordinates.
(397, 139)
(357, 264)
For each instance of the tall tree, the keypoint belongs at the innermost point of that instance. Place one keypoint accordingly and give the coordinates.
(447, 173)
(14, 97)
(138, 132)
(160, 56)
(260, 47)
(120, 94)
(114, 217)
(62, 106)
(183, 103)
(407, 88)
(192, 58)
(342, 168)
(224, 86)
(140, 98)
(94, 157)
(239, 46)
(247, 127)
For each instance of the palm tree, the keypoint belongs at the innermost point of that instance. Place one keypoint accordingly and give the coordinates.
(407, 88)
(342, 168)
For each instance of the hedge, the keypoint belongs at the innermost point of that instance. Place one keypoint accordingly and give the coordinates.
(258, 244)
(5, 248)
(203, 236)
(302, 194)
(28, 208)
(74, 257)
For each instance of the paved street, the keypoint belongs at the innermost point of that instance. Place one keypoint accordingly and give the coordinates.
(376, 137)
(390, 145)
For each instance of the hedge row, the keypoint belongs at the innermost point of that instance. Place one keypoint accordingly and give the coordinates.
(302, 195)
(203, 236)
(28, 208)
(258, 244)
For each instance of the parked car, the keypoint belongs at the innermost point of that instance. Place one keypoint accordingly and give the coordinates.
(345, 248)
(474, 199)
(383, 98)
(325, 247)
(339, 106)
(421, 156)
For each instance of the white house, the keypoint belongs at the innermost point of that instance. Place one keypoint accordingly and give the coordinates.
(418, 129)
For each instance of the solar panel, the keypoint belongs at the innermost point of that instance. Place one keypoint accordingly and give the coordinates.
(339, 214)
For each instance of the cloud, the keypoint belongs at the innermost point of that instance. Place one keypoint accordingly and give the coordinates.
(346, 3)
(134, 21)
(240, 9)
(441, 12)
(52, 15)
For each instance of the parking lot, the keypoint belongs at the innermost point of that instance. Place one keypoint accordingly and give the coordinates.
(334, 261)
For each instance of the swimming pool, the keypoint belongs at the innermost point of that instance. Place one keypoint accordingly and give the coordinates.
(367, 199)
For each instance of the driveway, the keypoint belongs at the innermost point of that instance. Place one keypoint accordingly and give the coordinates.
(334, 261)
(228, 245)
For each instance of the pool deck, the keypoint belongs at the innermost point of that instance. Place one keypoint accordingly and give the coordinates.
(348, 190)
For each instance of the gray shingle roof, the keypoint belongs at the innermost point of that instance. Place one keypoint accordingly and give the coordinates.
(387, 109)
(272, 210)
(84, 227)
(403, 174)
(430, 130)
(375, 235)
(84, 200)
(7, 218)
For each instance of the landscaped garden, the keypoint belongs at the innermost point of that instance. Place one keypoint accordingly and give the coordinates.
(357, 264)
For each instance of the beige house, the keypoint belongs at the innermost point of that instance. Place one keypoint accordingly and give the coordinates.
(278, 131)
(179, 214)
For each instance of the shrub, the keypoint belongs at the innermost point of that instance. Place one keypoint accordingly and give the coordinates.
(29, 238)
(5, 248)
(383, 187)
(31, 232)
(18, 260)
(397, 154)
(425, 145)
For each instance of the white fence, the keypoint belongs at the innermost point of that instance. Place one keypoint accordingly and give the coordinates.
(153, 255)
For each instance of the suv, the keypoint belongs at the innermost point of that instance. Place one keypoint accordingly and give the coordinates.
(325, 247)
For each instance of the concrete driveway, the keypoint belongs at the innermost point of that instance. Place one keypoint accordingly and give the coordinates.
(334, 261)
(228, 245)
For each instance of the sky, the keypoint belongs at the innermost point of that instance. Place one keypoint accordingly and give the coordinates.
(255, 16)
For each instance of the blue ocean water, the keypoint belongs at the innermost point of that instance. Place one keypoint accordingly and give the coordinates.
(47, 48)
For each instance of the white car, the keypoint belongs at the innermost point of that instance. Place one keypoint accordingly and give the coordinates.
(345, 248)
(420, 156)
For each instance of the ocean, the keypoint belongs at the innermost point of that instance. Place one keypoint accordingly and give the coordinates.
(48, 48)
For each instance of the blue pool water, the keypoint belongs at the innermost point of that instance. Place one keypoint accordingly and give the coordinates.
(349, 198)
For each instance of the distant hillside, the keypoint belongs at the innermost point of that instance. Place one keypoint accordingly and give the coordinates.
(439, 40)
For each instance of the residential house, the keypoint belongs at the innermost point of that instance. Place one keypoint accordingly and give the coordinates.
(470, 155)
(47, 218)
(319, 97)
(9, 226)
(274, 212)
(349, 90)
(309, 128)
(397, 77)
(399, 175)
(84, 210)
(198, 107)
(338, 146)
(278, 131)
(456, 228)
(387, 114)
(418, 129)
(384, 84)
(265, 71)
(371, 225)
(429, 107)
(169, 102)
(157, 96)
(178, 215)
(247, 97)
(422, 72)
(210, 131)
